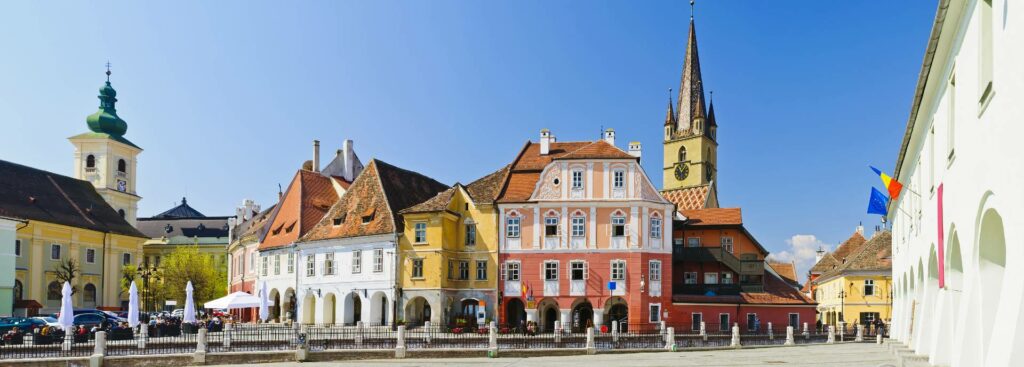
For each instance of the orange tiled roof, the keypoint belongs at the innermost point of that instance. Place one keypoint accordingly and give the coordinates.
(713, 216)
(371, 204)
(835, 258)
(597, 150)
(873, 255)
(486, 189)
(307, 199)
(786, 270)
(526, 168)
(688, 198)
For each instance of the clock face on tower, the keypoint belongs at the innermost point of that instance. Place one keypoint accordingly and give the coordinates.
(682, 171)
(122, 185)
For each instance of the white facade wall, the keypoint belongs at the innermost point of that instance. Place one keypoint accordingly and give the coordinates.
(330, 298)
(280, 283)
(971, 146)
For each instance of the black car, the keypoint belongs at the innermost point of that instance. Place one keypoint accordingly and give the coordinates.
(96, 319)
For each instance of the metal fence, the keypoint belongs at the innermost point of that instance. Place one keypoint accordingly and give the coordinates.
(46, 346)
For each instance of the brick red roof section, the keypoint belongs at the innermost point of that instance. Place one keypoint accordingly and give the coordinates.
(786, 270)
(371, 204)
(688, 198)
(597, 150)
(527, 167)
(530, 158)
(309, 196)
(713, 217)
(776, 292)
(834, 259)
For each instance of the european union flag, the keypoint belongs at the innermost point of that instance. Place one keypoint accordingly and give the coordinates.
(879, 203)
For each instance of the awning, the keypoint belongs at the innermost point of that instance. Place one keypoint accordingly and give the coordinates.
(27, 303)
(235, 300)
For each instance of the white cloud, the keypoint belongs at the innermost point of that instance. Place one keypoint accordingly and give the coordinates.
(801, 249)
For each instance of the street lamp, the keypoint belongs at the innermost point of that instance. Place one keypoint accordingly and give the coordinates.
(147, 273)
(842, 306)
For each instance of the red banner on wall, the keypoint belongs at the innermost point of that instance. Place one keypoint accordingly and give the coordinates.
(941, 242)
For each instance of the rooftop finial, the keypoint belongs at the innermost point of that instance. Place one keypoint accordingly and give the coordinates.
(711, 98)
(691, 9)
(108, 71)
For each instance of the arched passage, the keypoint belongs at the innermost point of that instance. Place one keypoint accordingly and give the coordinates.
(617, 310)
(515, 312)
(582, 316)
(353, 309)
(417, 311)
(548, 309)
(330, 308)
(991, 269)
(275, 309)
(379, 308)
(308, 308)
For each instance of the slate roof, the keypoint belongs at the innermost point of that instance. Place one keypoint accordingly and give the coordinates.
(309, 196)
(713, 217)
(529, 164)
(372, 202)
(873, 255)
(209, 227)
(33, 194)
(183, 210)
(688, 198)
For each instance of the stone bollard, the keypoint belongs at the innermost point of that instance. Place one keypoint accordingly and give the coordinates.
(302, 350)
(143, 335)
(735, 336)
(831, 335)
(703, 329)
(789, 336)
(227, 336)
(661, 327)
(200, 355)
(591, 348)
(100, 350)
(492, 331)
(69, 336)
(842, 330)
(670, 339)
(807, 335)
(771, 333)
(428, 330)
(558, 332)
(878, 338)
(359, 334)
(615, 331)
(400, 343)
(860, 334)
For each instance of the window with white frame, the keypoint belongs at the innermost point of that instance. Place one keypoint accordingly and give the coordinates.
(577, 180)
(357, 261)
(695, 319)
(329, 263)
(727, 244)
(655, 227)
(277, 264)
(618, 179)
(654, 271)
(90, 255)
(726, 278)
(985, 54)
(577, 270)
(951, 120)
(420, 232)
(481, 270)
(512, 271)
(618, 226)
(378, 260)
(551, 270)
(710, 278)
(690, 277)
(264, 265)
(252, 261)
(655, 312)
(579, 226)
(54, 252)
(869, 287)
(618, 270)
(310, 265)
(512, 227)
(417, 268)
(693, 242)
(551, 226)
(291, 263)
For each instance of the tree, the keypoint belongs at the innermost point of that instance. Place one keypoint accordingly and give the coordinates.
(66, 271)
(128, 274)
(186, 263)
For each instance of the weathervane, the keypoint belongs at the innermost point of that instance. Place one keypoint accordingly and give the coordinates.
(691, 9)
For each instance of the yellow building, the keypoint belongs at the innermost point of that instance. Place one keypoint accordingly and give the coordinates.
(857, 288)
(449, 254)
(63, 219)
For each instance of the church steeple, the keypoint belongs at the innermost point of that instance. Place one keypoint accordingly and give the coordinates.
(106, 120)
(670, 118)
(691, 88)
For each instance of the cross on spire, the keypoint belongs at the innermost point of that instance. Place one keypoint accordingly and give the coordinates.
(691, 9)
(108, 71)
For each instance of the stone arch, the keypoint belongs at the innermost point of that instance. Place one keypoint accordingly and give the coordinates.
(330, 308)
(548, 312)
(991, 270)
(616, 309)
(275, 307)
(379, 308)
(515, 312)
(353, 308)
(288, 305)
(308, 308)
(418, 311)
(89, 295)
(581, 315)
(954, 263)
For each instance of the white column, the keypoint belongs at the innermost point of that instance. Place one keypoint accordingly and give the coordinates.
(590, 180)
(564, 219)
(538, 231)
(592, 226)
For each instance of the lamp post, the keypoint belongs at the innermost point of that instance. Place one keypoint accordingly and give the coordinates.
(147, 273)
(842, 306)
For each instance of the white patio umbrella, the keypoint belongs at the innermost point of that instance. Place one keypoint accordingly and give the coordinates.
(234, 301)
(133, 305)
(264, 302)
(67, 313)
(190, 307)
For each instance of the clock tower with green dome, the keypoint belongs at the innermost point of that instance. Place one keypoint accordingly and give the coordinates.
(104, 157)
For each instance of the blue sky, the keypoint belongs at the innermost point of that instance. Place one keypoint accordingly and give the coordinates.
(225, 97)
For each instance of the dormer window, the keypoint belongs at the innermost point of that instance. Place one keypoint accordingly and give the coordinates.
(368, 216)
(577, 180)
(618, 179)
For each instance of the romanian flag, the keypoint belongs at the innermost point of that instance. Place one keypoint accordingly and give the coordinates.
(894, 187)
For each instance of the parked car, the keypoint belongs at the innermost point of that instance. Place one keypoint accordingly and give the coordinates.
(95, 319)
(48, 320)
(179, 312)
(23, 323)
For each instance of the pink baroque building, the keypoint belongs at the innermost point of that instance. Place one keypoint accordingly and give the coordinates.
(585, 238)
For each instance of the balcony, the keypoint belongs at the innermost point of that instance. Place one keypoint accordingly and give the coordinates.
(551, 242)
(513, 288)
(706, 254)
(577, 287)
(551, 288)
(751, 265)
(752, 287)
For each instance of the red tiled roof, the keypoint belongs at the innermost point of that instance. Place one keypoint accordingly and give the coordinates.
(786, 270)
(527, 167)
(597, 150)
(688, 198)
(713, 216)
(309, 196)
(834, 259)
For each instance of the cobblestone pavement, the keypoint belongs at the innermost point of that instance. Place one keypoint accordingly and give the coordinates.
(860, 354)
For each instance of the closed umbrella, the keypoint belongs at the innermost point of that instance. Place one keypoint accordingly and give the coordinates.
(264, 302)
(190, 307)
(133, 306)
(67, 313)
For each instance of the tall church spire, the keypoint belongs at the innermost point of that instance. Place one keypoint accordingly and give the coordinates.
(670, 114)
(691, 87)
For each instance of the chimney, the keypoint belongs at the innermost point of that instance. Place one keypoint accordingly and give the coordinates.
(316, 156)
(819, 254)
(634, 149)
(247, 214)
(609, 136)
(860, 228)
(350, 160)
(545, 141)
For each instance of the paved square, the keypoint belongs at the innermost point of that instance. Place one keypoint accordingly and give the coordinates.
(860, 354)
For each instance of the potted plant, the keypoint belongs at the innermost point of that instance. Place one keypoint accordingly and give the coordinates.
(482, 330)
(504, 330)
(456, 330)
